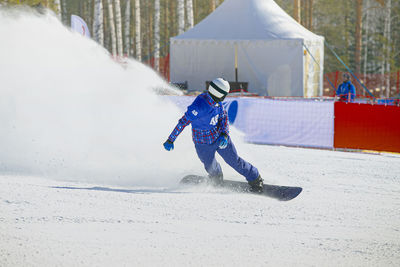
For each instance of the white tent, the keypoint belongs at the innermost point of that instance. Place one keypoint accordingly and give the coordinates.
(271, 50)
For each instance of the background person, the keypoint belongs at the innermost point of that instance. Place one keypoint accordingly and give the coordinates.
(346, 90)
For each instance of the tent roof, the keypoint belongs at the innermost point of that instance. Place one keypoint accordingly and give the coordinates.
(248, 20)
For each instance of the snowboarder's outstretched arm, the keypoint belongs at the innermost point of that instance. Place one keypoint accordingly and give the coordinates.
(182, 123)
(190, 115)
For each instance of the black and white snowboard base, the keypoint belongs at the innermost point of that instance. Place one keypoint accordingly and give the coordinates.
(283, 193)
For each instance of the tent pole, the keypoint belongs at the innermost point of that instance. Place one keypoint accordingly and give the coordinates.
(309, 52)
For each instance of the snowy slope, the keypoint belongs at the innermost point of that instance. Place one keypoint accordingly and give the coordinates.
(84, 180)
(348, 215)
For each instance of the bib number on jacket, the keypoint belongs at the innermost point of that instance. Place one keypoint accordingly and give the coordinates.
(214, 120)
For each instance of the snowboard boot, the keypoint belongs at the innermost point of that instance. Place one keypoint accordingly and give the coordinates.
(216, 179)
(256, 186)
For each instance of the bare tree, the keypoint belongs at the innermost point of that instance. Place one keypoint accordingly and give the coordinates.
(138, 37)
(149, 30)
(112, 27)
(181, 16)
(189, 12)
(57, 8)
(310, 14)
(304, 18)
(119, 27)
(388, 38)
(366, 37)
(157, 15)
(166, 30)
(212, 5)
(358, 40)
(98, 31)
(64, 12)
(127, 27)
(296, 10)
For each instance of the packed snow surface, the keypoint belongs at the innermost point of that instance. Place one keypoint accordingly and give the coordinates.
(84, 179)
(347, 215)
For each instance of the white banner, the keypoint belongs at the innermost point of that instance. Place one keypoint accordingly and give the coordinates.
(305, 123)
(79, 25)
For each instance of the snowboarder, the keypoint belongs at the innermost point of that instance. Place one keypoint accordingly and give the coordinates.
(210, 134)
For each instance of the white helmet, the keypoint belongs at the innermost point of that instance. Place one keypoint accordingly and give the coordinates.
(219, 88)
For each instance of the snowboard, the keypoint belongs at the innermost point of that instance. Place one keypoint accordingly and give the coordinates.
(282, 193)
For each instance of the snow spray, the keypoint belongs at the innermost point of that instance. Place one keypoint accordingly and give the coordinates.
(69, 111)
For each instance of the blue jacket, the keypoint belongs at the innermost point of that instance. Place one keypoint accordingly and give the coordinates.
(346, 90)
(208, 118)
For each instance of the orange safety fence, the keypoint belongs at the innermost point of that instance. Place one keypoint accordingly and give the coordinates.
(377, 84)
(366, 126)
(163, 64)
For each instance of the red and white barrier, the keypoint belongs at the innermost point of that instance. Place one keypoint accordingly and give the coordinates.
(366, 126)
(314, 123)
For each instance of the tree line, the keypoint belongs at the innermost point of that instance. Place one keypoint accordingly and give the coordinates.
(364, 33)
(133, 28)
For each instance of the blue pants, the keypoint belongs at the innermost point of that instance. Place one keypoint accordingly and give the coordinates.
(206, 154)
